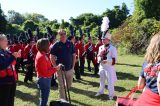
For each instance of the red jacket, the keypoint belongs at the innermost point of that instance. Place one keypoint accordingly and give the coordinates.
(88, 45)
(81, 49)
(34, 50)
(26, 51)
(11, 48)
(43, 66)
(76, 45)
(17, 47)
(96, 51)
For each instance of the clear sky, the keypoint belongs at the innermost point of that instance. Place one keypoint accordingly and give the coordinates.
(62, 9)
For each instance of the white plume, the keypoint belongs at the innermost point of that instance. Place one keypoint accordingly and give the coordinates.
(105, 24)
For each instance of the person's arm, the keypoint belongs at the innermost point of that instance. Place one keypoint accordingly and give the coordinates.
(74, 56)
(141, 80)
(53, 60)
(158, 83)
(74, 60)
(53, 55)
(114, 56)
(5, 62)
(141, 83)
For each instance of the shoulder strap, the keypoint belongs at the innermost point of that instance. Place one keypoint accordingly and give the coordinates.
(132, 91)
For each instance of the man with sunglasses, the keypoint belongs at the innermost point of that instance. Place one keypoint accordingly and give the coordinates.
(63, 52)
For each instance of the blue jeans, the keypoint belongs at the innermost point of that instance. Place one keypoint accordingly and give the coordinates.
(44, 85)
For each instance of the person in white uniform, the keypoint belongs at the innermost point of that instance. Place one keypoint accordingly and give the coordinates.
(107, 57)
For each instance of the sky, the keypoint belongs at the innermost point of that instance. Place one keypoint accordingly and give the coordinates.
(62, 9)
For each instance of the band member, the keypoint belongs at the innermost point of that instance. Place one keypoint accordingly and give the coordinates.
(107, 57)
(17, 47)
(52, 41)
(81, 53)
(28, 58)
(8, 74)
(89, 48)
(74, 40)
(98, 44)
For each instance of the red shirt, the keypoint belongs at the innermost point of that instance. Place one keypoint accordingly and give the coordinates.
(43, 66)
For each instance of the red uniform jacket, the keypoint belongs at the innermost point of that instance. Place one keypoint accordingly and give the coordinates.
(96, 51)
(76, 45)
(17, 47)
(11, 48)
(88, 45)
(43, 66)
(26, 51)
(81, 49)
(34, 50)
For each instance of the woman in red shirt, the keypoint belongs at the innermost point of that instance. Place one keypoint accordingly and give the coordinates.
(44, 70)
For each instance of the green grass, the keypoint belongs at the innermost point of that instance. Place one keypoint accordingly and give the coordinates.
(82, 92)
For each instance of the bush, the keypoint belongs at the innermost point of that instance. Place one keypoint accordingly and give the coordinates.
(134, 36)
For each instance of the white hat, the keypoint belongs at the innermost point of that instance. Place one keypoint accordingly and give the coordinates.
(106, 36)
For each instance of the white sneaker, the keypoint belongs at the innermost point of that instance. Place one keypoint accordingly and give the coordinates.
(63, 100)
(98, 94)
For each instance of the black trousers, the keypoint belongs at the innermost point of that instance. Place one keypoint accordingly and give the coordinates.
(96, 68)
(17, 66)
(7, 93)
(77, 71)
(82, 61)
(29, 73)
(89, 62)
(53, 81)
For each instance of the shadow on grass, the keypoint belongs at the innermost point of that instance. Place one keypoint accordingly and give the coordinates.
(132, 65)
(32, 85)
(90, 74)
(126, 76)
(79, 103)
(90, 94)
(27, 97)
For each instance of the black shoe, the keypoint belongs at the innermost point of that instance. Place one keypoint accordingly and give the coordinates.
(25, 81)
(78, 78)
(31, 80)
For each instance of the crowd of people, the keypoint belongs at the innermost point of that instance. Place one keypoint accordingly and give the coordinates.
(46, 55)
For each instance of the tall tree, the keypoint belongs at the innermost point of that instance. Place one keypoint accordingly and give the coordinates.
(15, 17)
(3, 21)
(147, 8)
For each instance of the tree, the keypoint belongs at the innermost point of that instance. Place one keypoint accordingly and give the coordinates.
(64, 24)
(29, 24)
(37, 18)
(147, 9)
(13, 29)
(3, 21)
(117, 15)
(15, 17)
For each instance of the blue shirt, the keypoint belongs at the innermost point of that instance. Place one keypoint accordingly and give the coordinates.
(151, 82)
(64, 53)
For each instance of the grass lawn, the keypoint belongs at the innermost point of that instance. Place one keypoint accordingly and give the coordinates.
(82, 92)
